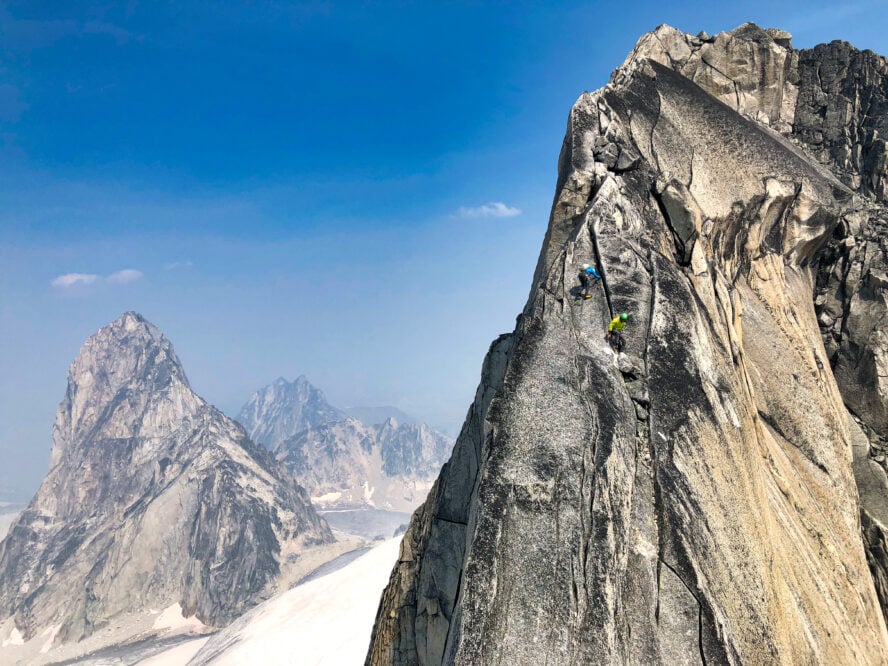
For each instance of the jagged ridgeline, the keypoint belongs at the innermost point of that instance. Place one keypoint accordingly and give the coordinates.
(693, 500)
(344, 462)
(154, 498)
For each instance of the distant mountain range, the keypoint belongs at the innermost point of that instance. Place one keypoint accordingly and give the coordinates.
(156, 502)
(346, 458)
(154, 499)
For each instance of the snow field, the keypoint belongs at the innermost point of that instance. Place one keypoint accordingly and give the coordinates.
(324, 622)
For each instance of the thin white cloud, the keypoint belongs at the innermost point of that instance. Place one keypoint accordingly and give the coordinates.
(125, 276)
(73, 279)
(173, 265)
(492, 209)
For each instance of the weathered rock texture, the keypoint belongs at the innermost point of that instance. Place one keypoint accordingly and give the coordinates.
(342, 461)
(153, 498)
(691, 500)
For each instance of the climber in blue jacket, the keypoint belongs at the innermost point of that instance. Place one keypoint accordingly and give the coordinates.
(588, 276)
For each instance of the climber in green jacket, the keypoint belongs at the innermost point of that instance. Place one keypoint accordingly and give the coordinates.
(615, 331)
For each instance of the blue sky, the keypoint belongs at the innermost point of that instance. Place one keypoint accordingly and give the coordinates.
(353, 191)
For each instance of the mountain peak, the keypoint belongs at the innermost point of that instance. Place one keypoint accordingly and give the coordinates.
(133, 322)
(300, 382)
(132, 315)
(122, 370)
(695, 453)
(144, 471)
(128, 349)
(278, 411)
(129, 334)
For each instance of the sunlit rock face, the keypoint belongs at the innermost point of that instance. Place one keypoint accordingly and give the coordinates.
(154, 497)
(695, 499)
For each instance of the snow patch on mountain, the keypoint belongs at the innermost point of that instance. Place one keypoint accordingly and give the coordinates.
(173, 619)
(15, 638)
(326, 498)
(326, 620)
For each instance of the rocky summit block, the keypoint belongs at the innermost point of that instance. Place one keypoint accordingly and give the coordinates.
(692, 500)
(154, 497)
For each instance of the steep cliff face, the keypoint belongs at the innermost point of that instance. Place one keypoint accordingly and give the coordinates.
(842, 114)
(691, 500)
(833, 101)
(153, 498)
(342, 461)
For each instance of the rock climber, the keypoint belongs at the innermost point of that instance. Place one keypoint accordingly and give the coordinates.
(615, 331)
(587, 276)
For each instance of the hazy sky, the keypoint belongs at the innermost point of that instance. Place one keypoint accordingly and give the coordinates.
(352, 191)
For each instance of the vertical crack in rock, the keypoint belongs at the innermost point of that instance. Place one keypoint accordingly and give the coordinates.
(602, 270)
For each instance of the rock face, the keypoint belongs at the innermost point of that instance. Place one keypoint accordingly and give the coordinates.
(842, 114)
(282, 409)
(342, 461)
(852, 309)
(153, 498)
(695, 499)
(349, 464)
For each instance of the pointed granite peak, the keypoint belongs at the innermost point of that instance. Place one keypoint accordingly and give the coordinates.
(154, 498)
(129, 330)
(122, 370)
(131, 321)
(132, 315)
(128, 349)
(278, 411)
